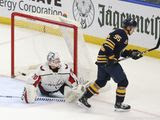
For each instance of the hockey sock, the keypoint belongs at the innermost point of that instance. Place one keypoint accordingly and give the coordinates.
(120, 94)
(91, 90)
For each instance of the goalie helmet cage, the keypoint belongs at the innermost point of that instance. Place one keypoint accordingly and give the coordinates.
(54, 22)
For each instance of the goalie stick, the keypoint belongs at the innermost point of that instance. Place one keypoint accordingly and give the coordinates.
(37, 99)
(146, 51)
(79, 80)
(25, 74)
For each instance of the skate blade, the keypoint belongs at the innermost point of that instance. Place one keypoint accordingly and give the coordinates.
(82, 105)
(121, 110)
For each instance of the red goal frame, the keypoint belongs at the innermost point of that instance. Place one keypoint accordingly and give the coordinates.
(75, 37)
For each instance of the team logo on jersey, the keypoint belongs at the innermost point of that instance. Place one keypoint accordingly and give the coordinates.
(84, 12)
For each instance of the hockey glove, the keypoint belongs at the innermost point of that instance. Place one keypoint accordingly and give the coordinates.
(135, 54)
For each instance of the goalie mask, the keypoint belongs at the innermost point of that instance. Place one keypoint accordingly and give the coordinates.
(53, 60)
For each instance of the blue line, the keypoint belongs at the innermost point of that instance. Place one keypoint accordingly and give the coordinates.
(142, 3)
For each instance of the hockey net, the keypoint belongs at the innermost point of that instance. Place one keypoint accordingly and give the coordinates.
(34, 36)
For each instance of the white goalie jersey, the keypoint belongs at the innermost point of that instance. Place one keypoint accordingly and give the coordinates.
(51, 77)
(50, 81)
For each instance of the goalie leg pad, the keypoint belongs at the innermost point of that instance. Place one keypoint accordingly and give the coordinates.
(72, 94)
(29, 94)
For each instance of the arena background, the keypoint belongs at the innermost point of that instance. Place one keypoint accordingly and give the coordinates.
(97, 18)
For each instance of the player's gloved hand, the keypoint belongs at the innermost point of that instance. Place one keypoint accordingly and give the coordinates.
(111, 62)
(136, 54)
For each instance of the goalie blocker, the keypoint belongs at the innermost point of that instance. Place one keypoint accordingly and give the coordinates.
(50, 78)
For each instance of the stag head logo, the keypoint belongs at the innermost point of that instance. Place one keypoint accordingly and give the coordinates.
(83, 11)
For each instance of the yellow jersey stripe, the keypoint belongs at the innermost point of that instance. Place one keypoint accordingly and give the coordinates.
(111, 42)
(101, 58)
(102, 48)
(111, 57)
(108, 46)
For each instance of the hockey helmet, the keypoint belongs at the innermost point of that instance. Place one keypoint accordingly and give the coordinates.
(52, 56)
(53, 60)
(129, 22)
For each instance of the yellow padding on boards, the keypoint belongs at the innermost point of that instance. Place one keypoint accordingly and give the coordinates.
(91, 39)
(5, 20)
(100, 41)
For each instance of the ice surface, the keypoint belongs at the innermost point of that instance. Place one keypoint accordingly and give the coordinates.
(142, 93)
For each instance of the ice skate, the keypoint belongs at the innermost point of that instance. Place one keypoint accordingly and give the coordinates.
(84, 103)
(122, 107)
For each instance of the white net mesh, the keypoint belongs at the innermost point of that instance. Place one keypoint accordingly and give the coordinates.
(34, 40)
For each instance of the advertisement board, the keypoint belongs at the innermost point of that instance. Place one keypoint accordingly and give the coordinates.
(97, 17)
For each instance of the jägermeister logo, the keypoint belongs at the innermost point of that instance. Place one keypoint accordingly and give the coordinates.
(146, 25)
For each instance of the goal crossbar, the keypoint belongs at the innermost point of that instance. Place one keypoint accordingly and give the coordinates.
(75, 37)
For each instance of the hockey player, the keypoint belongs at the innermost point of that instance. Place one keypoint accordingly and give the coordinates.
(108, 66)
(51, 77)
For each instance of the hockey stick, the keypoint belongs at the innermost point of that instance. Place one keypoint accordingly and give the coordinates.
(37, 99)
(24, 74)
(146, 51)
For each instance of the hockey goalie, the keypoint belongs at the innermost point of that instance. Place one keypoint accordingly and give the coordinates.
(50, 78)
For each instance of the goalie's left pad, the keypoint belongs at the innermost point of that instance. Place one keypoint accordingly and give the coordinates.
(29, 94)
(72, 94)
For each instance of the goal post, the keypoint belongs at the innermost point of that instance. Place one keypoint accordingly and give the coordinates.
(33, 36)
(27, 16)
